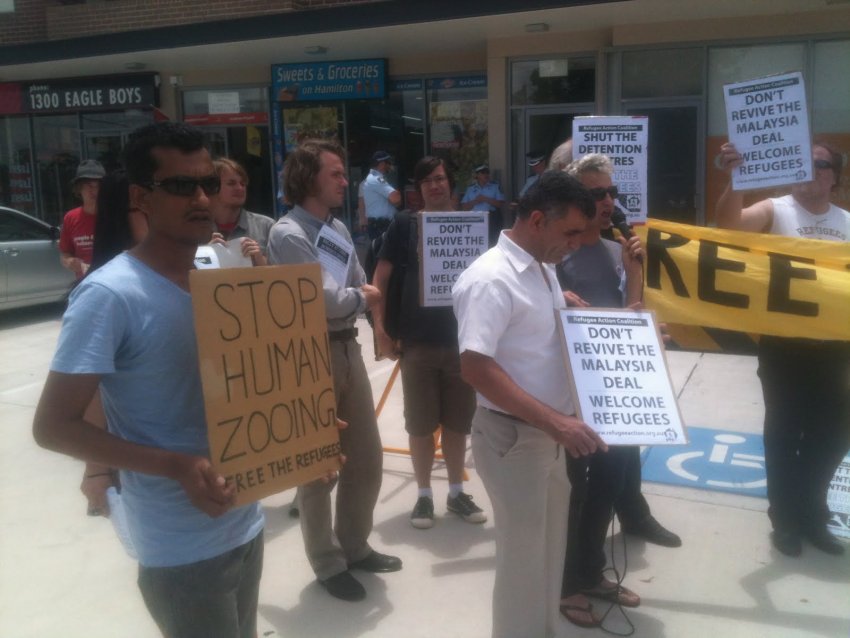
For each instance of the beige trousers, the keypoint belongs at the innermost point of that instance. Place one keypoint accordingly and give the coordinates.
(525, 475)
(331, 546)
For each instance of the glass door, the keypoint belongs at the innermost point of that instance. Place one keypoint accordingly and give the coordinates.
(105, 147)
(545, 128)
(216, 139)
(675, 170)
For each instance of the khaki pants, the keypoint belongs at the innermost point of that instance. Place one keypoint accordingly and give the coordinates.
(525, 476)
(331, 547)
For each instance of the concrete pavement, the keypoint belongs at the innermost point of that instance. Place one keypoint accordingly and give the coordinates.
(64, 574)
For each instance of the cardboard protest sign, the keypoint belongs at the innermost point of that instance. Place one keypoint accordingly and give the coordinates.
(618, 372)
(768, 123)
(266, 372)
(624, 139)
(448, 243)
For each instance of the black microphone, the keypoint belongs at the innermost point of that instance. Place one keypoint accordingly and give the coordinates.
(618, 220)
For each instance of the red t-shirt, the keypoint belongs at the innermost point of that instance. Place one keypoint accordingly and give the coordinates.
(77, 236)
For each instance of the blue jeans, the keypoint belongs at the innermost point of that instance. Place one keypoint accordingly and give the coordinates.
(213, 598)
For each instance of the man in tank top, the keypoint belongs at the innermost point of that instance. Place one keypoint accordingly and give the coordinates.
(806, 382)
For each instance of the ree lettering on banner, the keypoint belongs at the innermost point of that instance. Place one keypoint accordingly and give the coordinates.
(265, 367)
(448, 244)
(768, 123)
(619, 377)
(750, 282)
(624, 139)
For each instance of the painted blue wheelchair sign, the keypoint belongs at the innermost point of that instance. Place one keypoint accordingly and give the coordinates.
(716, 460)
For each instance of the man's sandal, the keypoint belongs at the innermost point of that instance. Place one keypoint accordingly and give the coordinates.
(614, 593)
(578, 615)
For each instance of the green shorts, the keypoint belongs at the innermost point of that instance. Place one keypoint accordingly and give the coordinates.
(434, 392)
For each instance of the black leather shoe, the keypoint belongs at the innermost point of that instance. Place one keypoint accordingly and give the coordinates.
(787, 543)
(653, 532)
(821, 538)
(344, 586)
(377, 563)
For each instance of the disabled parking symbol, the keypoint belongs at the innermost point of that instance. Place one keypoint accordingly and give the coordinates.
(714, 460)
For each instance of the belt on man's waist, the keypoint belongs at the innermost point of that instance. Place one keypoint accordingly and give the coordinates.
(342, 335)
(503, 414)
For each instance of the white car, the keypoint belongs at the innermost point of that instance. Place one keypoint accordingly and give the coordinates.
(30, 272)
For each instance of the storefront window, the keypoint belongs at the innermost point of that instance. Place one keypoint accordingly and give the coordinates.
(831, 103)
(458, 124)
(17, 184)
(553, 81)
(407, 102)
(662, 73)
(224, 101)
(57, 154)
(104, 134)
(235, 125)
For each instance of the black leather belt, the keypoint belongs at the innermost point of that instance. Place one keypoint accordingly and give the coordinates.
(343, 335)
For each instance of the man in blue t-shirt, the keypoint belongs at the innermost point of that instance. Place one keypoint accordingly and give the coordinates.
(129, 332)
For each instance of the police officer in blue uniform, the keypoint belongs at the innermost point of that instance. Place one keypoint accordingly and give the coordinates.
(380, 198)
(485, 195)
(537, 163)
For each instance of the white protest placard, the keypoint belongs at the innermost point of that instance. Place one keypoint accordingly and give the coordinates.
(625, 139)
(768, 123)
(448, 243)
(618, 371)
(838, 500)
(334, 253)
(228, 255)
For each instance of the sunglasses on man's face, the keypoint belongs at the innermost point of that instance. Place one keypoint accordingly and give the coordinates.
(188, 186)
(823, 164)
(598, 194)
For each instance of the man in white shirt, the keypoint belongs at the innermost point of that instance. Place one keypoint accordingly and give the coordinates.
(805, 382)
(511, 354)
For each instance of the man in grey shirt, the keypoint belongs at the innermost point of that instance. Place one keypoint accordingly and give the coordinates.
(314, 179)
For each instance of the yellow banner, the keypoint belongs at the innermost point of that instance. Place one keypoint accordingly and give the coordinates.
(747, 282)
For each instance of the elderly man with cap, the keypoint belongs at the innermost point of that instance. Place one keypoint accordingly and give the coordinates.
(537, 163)
(77, 237)
(381, 200)
(485, 195)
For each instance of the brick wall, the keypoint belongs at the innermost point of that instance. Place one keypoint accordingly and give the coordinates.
(27, 23)
(76, 20)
